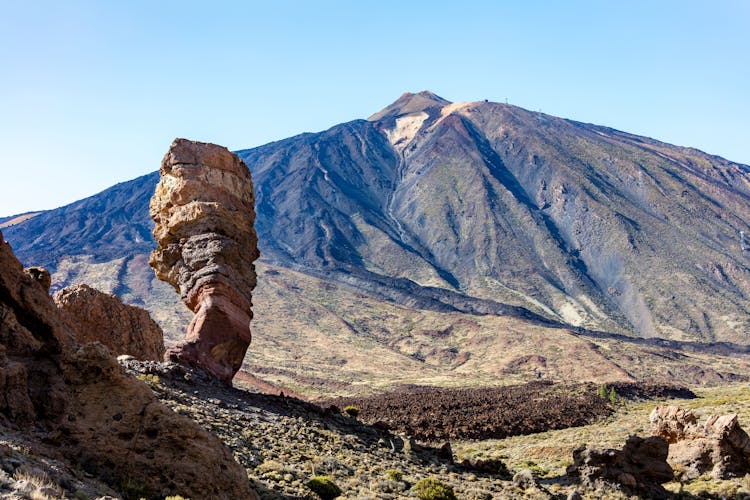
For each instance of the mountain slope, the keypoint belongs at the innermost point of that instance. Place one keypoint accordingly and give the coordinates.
(578, 223)
(471, 208)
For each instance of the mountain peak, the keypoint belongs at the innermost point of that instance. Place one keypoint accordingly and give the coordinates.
(411, 103)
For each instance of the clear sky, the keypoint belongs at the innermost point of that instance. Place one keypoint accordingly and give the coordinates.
(93, 92)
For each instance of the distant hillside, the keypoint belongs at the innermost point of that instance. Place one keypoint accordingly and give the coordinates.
(460, 210)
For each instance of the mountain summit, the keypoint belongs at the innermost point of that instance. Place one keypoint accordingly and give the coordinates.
(476, 208)
(409, 103)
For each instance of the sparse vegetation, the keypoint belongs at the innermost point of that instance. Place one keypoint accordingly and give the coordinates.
(394, 475)
(352, 411)
(603, 392)
(132, 488)
(612, 396)
(324, 487)
(498, 467)
(149, 378)
(39, 485)
(432, 488)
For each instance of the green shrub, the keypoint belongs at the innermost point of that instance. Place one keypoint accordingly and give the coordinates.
(613, 396)
(132, 488)
(152, 380)
(431, 488)
(394, 475)
(324, 487)
(603, 391)
(352, 411)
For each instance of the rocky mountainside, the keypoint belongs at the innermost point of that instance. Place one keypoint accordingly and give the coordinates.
(477, 206)
(461, 237)
(578, 223)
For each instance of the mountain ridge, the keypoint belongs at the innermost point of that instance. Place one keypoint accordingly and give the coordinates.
(481, 207)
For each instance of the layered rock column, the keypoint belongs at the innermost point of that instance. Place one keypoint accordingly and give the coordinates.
(204, 210)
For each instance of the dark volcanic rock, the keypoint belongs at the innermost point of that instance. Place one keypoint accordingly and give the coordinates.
(78, 405)
(639, 468)
(204, 211)
(434, 414)
(101, 317)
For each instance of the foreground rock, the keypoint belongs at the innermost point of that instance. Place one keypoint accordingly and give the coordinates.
(41, 275)
(74, 403)
(101, 317)
(719, 447)
(639, 468)
(204, 212)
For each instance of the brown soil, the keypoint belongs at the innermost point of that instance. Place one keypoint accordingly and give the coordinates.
(18, 220)
(435, 414)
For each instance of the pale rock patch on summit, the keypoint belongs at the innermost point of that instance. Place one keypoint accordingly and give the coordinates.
(461, 108)
(405, 130)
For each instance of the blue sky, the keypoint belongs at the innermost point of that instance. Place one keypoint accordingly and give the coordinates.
(93, 92)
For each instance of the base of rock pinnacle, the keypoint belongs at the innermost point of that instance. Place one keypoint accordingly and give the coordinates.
(217, 338)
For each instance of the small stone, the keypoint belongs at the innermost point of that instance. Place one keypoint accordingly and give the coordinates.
(381, 426)
(526, 479)
(445, 452)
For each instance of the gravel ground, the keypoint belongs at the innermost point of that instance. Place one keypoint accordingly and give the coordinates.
(283, 442)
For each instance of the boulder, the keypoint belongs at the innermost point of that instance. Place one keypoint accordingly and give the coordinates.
(639, 468)
(719, 447)
(77, 405)
(204, 212)
(41, 276)
(673, 423)
(101, 317)
(526, 479)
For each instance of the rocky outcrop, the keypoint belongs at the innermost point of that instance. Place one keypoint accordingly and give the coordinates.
(41, 275)
(639, 468)
(204, 212)
(101, 317)
(74, 403)
(719, 447)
